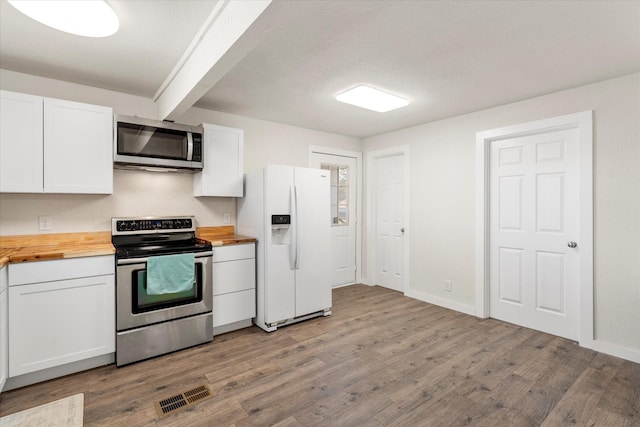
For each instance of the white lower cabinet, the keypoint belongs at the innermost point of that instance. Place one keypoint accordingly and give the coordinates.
(234, 286)
(4, 329)
(67, 319)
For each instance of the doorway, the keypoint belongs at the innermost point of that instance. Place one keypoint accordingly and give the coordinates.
(534, 226)
(345, 210)
(387, 219)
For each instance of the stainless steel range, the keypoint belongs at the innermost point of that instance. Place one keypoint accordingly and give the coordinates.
(152, 323)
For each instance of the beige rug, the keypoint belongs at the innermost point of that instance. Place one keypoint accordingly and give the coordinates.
(67, 412)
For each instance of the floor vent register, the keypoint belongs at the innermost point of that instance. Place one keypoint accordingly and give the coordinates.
(184, 400)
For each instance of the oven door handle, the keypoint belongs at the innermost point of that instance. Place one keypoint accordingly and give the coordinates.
(128, 261)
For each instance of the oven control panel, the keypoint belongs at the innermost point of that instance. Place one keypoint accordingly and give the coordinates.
(141, 225)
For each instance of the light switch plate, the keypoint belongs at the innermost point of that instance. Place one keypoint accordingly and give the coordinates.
(227, 218)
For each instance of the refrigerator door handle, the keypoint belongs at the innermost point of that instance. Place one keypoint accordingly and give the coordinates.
(293, 247)
(295, 227)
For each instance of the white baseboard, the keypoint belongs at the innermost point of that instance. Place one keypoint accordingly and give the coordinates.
(630, 354)
(365, 282)
(617, 350)
(442, 302)
(218, 330)
(344, 285)
(59, 371)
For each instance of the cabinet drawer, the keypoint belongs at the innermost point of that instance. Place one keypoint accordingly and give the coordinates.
(234, 307)
(231, 252)
(233, 276)
(60, 269)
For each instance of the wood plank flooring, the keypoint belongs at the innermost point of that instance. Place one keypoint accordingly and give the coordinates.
(381, 359)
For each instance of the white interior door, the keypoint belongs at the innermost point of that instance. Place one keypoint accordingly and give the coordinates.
(389, 214)
(343, 214)
(534, 220)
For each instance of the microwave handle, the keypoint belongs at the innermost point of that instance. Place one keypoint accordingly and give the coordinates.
(189, 146)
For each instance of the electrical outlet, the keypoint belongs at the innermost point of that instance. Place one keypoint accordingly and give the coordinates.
(227, 218)
(44, 223)
(448, 285)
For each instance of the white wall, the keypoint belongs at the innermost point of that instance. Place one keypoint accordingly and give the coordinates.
(273, 143)
(146, 193)
(442, 199)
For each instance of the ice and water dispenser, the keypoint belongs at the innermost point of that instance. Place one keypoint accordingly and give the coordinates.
(280, 232)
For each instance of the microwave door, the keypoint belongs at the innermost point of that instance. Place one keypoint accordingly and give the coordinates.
(146, 141)
(141, 143)
(138, 141)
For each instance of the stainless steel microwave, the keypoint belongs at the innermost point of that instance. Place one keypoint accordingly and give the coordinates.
(150, 144)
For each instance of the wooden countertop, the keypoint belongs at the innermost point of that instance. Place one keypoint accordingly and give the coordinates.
(41, 247)
(222, 235)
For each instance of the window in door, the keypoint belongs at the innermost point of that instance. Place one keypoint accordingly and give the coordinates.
(339, 193)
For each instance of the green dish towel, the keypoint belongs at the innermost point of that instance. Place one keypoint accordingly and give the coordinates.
(169, 274)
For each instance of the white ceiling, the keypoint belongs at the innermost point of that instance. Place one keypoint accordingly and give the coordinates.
(446, 57)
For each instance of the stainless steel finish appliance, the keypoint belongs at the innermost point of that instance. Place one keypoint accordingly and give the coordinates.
(151, 325)
(150, 144)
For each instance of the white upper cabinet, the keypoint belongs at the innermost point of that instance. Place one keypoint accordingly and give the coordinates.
(20, 143)
(223, 163)
(78, 148)
(55, 146)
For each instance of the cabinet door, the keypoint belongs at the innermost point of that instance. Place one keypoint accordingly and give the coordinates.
(20, 143)
(234, 307)
(223, 163)
(55, 323)
(78, 147)
(4, 328)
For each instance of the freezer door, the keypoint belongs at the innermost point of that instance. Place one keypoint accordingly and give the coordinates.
(313, 235)
(279, 291)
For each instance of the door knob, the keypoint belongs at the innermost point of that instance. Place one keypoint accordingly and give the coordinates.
(572, 244)
(402, 230)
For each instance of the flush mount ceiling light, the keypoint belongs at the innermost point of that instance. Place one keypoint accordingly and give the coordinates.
(89, 18)
(372, 99)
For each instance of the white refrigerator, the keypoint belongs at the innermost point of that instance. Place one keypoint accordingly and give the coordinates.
(287, 209)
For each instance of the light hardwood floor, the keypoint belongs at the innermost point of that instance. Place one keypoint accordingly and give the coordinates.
(381, 359)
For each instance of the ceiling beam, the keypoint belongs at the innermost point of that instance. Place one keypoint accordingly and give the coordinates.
(226, 37)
